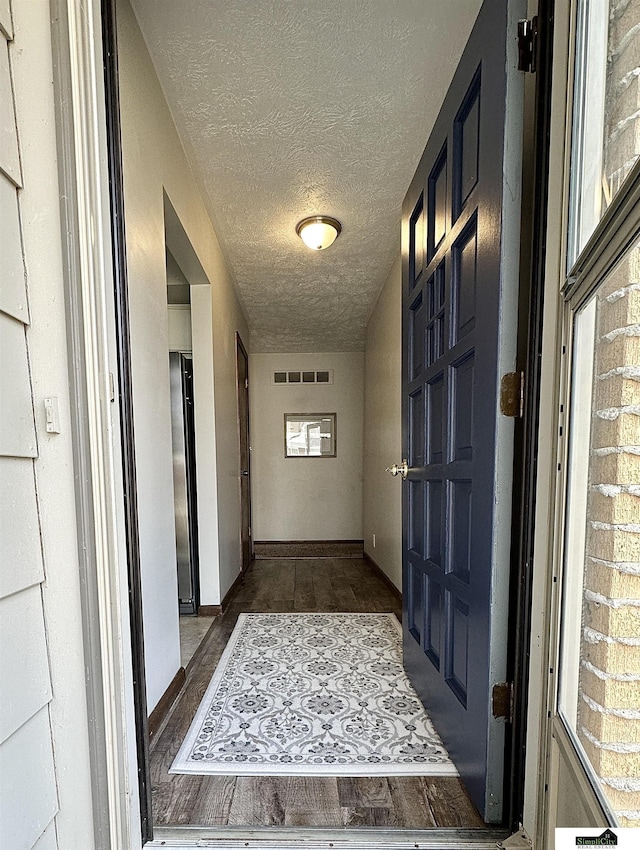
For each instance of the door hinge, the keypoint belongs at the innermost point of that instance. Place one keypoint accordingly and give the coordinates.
(518, 841)
(512, 394)
(502, 701)
(527, 44)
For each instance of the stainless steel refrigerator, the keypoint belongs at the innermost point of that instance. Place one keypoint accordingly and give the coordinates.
(184, 481)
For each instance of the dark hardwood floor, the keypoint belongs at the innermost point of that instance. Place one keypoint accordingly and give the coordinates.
(322, 585)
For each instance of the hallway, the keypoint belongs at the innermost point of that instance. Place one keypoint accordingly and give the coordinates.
(296, 585)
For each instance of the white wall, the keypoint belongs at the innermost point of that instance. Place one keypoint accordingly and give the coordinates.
(206, 466)
(179, 327)
(382, 430)
(146, 121)
(306, 498)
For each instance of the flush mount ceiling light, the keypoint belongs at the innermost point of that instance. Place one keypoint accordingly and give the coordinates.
(318, 231)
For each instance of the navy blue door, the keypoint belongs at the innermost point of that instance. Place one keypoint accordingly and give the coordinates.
(460, 274)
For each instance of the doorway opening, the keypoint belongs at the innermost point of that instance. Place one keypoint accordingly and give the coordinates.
(189, 334)
(244, 442)
(263, 596)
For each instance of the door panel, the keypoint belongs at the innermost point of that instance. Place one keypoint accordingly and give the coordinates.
(459, 335)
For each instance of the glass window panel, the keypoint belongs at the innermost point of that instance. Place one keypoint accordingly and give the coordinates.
(606, 125)
(310, 434)
(600, 666)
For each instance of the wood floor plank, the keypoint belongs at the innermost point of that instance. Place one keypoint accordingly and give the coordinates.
(345, 594)
(266, 593)
(258, 801)
(382, 816)
(312, 801)
(326, 598)
(410, 802)
(364, 792)
(285, 586)
(174, 801)
(354, 818)
(305, 598)
(450, 803)
(214, 801)
(312, 817)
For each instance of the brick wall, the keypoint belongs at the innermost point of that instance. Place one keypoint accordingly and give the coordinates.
(609, 710)
(609, 697)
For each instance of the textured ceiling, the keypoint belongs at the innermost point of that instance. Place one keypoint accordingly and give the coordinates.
(289, 108)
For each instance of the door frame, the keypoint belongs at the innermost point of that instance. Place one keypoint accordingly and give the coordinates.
(78, 27)
(241, 351)
(616, 232)
(547, 742)
(107, 543)
(527, 431)
(125, 394)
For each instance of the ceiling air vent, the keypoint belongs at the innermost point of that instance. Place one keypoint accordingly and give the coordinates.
(320, 376)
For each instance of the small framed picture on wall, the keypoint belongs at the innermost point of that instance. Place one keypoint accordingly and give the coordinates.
(310, 435)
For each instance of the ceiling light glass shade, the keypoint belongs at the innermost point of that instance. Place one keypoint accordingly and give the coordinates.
(318, 231)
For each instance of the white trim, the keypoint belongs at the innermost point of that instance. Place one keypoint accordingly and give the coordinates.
(503, 473)
(565, 775)
(572, 528)
(85, 187)
(544, 583)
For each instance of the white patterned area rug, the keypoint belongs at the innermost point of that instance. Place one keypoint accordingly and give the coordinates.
(312, 694)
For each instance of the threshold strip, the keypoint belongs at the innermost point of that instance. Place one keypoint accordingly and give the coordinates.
(319, 838)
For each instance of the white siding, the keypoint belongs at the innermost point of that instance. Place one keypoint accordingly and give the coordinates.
(14, 297)
(5, 18)
(66, 713)
(47, 840)
(20, 554)
(9, 159)
(27, 784)
(17, 429)
(24, 671)
(28, 796)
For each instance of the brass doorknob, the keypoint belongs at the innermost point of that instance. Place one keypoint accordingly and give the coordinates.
(402, 469)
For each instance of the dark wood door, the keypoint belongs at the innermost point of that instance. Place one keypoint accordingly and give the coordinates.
(460, 273)
(242, 371)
